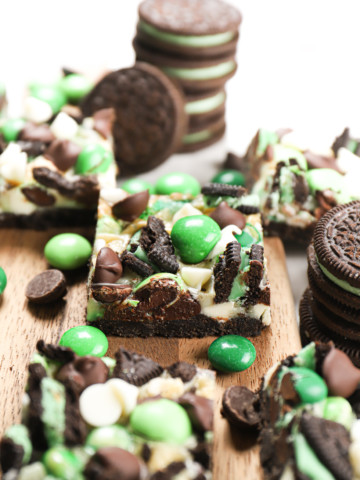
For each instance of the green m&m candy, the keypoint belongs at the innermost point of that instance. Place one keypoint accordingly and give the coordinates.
(310, 387)
(136, 185)
(93, 159)
(67, 251)
(177, 182)
(50, 94)
(3, 280)
(161, 420)
(231, 353)
(85, 340)
(62, 463)
(230, 177)
(11, 129)
(75, 86)
(194, 237)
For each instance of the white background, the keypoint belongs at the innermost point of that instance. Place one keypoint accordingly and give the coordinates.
(299, 65)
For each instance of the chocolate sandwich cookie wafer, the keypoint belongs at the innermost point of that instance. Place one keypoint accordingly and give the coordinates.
(197, 28)
(311, 330)
(192, 74)
(203, 134)
(337, 300)
(204, 107)
(337, 247)
(150, 120)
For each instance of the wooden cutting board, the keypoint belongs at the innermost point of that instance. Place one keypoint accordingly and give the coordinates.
(21, 256)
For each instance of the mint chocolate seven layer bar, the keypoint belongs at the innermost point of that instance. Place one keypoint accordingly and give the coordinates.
(179, 266)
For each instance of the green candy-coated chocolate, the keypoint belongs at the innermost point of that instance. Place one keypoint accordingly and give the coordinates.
(67, 251)
(339, 410)
(111, 436)
(93, 159)
(310, 387)
(75, 86)
(11, 129)
(230, 177)
(50, 94)
(177, 182)
(3, 280)
(195, 237)
(136, 185)
(231, 353)
(161, 420)
(324, 179)
(62, 463)
(85, 340)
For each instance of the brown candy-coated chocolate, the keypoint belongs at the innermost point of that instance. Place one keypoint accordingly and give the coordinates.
(132, 206)
(110, 463)
(225, 215)
(36, 133)
(199, 409)
(63, 154)
(108, 268)
(84, 371)
(103, 121)
(340, 374)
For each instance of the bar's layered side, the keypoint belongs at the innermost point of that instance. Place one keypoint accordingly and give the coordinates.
(88, 417)
(179, 266)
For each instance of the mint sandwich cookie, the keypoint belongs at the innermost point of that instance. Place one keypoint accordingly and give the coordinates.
(204, 107)
(103, 418)
(203, 134)
(160, 267)
(189, 28)
(149, 115)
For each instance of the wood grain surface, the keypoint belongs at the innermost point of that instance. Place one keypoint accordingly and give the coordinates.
(21, 256)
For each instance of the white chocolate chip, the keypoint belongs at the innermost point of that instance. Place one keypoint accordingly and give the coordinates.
(99, 406)
(64, 127)
(195, 277)
(227, 236)
(13, 164)
(126, 394)
(37, 110)
(166, 387)
(186, 211)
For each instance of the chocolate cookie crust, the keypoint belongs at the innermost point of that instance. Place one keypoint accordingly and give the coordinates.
(203, 17)
(149, 115)
(337, 242)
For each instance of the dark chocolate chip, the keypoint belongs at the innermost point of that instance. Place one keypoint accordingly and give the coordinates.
(134, 368)
(330, 441)
(110, 292)
(32, 148)
(341, 141)
(136, 265)
(113, 463)
(39, 196)
(223, 190)
(46, 287)
(83, 371)
(226, 270)
(63, 153)
(185, 371)
(57, 353)
(241, 407)
(200, 411)
(340, 374)
(36, 133)
(103, 121)
(108, 267)
(132, 206)
(225, 215)
(233, 162)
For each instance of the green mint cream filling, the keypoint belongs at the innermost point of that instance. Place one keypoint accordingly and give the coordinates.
(340, 283)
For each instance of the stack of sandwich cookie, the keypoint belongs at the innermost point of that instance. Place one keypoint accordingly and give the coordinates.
(330, 308)
(150, 119)
(92, 417)
(307, 413)
(179, 266)
(194, 43)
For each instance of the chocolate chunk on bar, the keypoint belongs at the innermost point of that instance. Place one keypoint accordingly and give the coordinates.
(185, 272)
